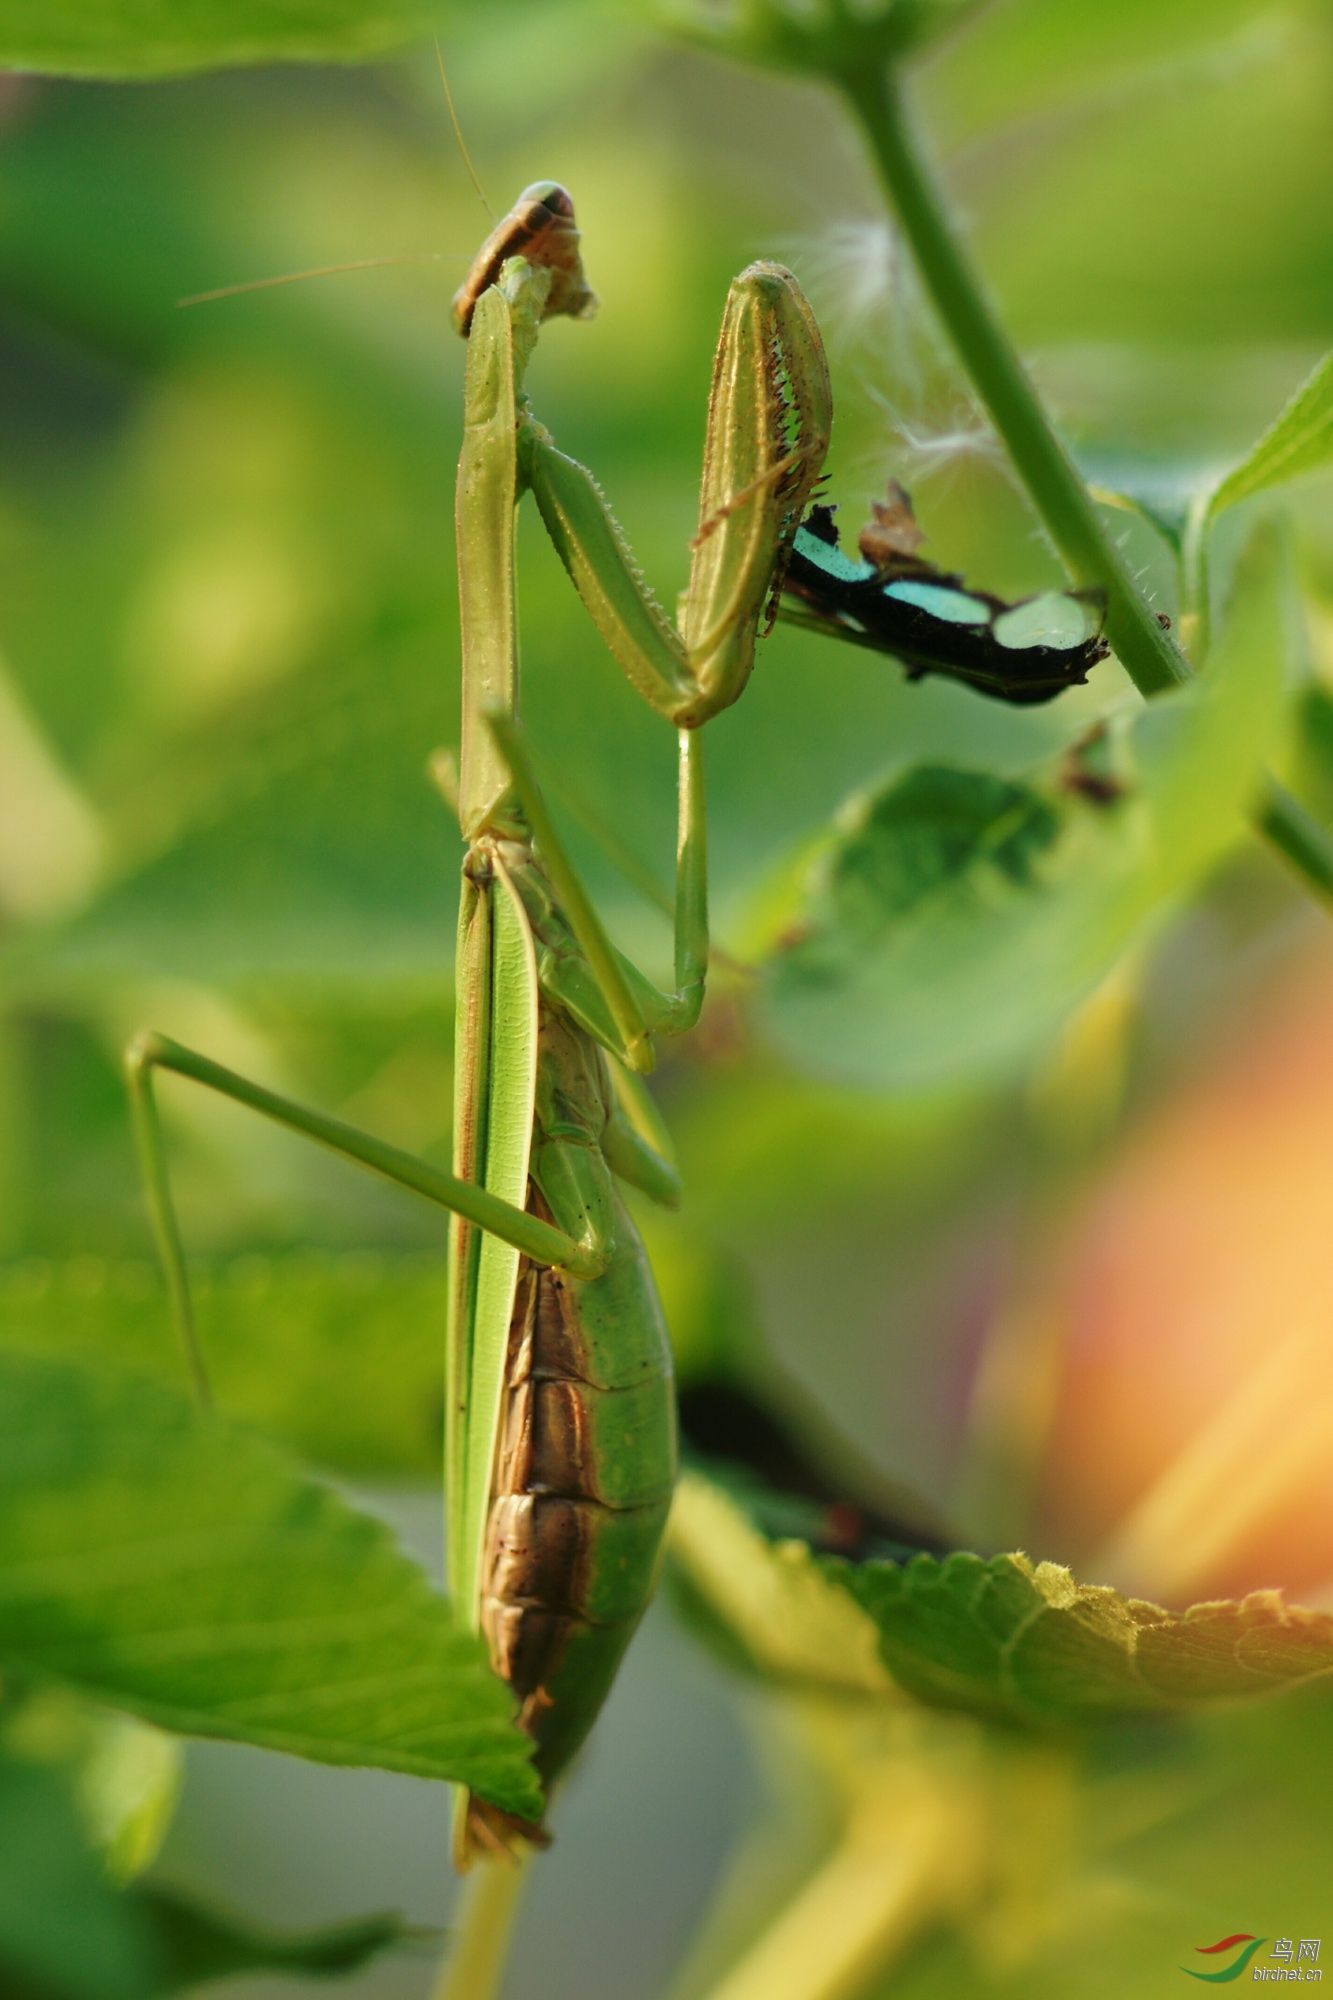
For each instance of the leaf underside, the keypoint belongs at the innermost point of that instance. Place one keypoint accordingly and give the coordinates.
(1025, 1641)
(1001, 1637)
(952, 918)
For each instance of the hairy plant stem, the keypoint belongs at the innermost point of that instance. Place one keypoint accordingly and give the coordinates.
(475, 1962)
(1146, 651)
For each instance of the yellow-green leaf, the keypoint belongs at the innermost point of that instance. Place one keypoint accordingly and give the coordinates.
(1299, 440)
(167, 37)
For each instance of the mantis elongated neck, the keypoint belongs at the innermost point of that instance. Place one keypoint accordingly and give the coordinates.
(504, 333)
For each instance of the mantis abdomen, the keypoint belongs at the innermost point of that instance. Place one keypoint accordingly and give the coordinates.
(583, 1478)
(583, 1462)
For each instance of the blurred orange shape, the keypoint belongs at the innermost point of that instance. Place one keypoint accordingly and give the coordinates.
(1191, 1453)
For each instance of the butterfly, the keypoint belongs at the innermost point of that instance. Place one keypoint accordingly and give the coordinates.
(896, 602)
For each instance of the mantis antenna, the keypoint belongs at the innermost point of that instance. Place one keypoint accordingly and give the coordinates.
(360, 263)
(458, 132)
(298, 277)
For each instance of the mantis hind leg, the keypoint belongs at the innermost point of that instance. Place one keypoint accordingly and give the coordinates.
(156, 1175)
(147, 1052)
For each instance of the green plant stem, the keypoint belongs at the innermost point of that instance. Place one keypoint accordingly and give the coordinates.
(906, 1856)
(1068, 511)
(474, 1965)
(1145, 650)
(1196, 592)
(1297, 835)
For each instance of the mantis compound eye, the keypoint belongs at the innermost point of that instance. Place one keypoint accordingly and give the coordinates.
(539, 227)
(551, 195)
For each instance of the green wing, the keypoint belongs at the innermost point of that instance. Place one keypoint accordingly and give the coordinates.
(486, 1304)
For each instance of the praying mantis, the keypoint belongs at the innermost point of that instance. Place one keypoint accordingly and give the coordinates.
(560, 1423)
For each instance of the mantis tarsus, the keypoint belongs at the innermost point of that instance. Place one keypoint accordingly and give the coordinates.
(560, 1427)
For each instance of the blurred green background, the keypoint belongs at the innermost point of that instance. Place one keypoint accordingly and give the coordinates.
(228, 642)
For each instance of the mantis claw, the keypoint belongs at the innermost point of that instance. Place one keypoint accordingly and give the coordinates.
(769, 418)
(770, 414)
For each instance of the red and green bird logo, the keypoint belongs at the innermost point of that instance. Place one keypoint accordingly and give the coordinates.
(1237, 1965)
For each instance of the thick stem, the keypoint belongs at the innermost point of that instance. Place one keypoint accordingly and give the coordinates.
(906, 1857)
(475, 1963)
(1068, 511)
(1298, 837)
(1059, 494)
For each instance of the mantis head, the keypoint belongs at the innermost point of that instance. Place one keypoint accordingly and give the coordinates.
(540, 228)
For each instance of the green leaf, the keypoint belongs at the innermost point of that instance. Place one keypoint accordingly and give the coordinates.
(1162, 502)
(1025, 1641)
(127, 1790)
(170, 1564)
(1312, 748)
(193, 1943)
(954, 917)
(66, 1933)
(325, 857)
(168, 37)
(828, 40)
(774, 1598)
(904, 844)
(1300, 440)
(337, 1356)
(1004, 1638)
(125, 1776)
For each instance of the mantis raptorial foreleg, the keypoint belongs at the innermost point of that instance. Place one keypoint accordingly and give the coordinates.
(770, 412)
(559, 1414)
